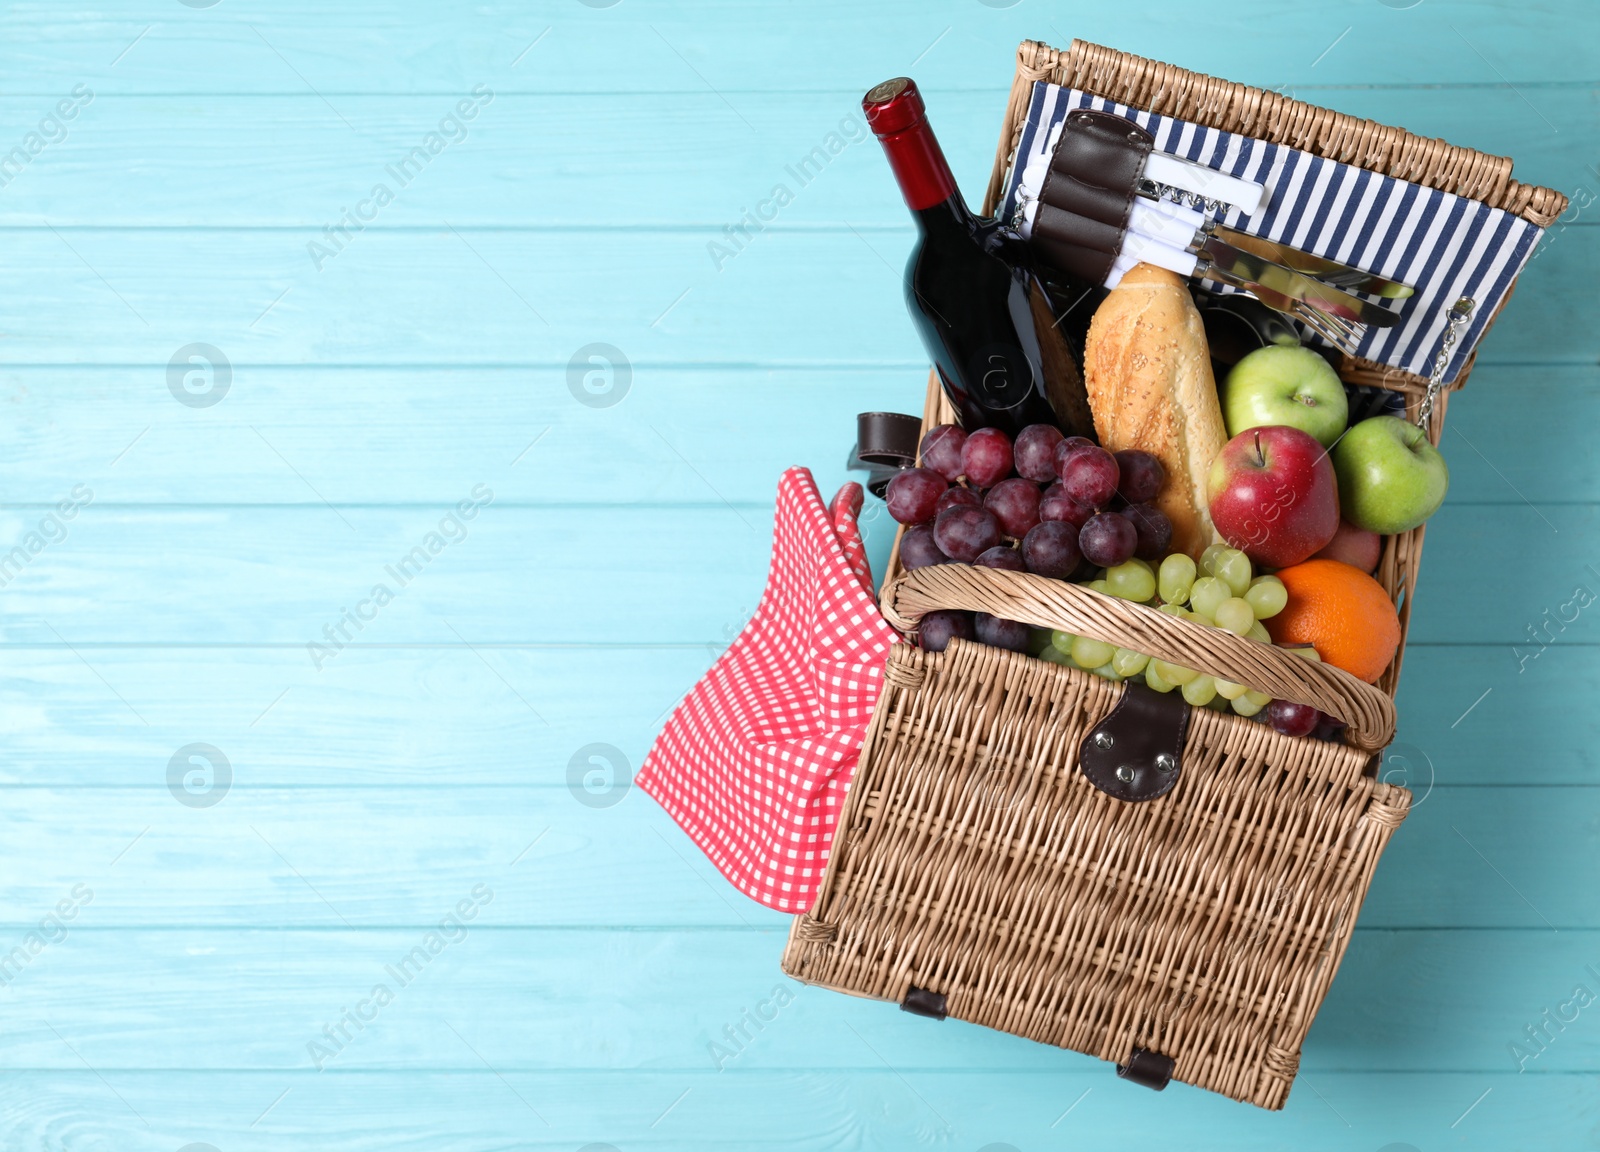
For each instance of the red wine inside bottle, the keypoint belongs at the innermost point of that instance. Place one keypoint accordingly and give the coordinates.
(981, 310)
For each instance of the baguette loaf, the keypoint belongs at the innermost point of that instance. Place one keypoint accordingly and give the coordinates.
(1147, 370)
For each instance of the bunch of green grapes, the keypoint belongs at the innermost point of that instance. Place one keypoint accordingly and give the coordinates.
(1221, 591)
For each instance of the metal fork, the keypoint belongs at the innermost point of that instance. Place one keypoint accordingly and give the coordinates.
(1336, 330)
(1343, 334)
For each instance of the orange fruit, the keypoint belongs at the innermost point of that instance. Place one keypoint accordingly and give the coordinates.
(1341, 612)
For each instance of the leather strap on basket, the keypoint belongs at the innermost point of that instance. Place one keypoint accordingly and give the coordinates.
(1136, 752)
(1088, 193)
(886, 442)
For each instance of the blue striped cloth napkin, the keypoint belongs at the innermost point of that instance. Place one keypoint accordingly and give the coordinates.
(1447, 246)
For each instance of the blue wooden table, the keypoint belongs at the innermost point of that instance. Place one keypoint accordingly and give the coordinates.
(302, 301)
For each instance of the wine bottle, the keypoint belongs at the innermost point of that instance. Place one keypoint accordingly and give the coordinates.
(980, 308)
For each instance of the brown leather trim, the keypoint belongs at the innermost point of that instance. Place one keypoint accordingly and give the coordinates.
(885, 443)
(1075, 244)
(1088, 193)
(1136, 752)
(1148, 1068)
(1103, 151)
(890, 438)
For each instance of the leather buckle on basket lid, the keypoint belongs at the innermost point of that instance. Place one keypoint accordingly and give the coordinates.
(1136, 752)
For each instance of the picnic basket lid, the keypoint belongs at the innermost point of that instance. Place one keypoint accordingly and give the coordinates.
(1271, 116)
(1259, 114)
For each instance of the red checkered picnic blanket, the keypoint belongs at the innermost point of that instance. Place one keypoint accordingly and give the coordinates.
(754, 762)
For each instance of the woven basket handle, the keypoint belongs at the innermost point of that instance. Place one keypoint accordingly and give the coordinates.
(1046, 603)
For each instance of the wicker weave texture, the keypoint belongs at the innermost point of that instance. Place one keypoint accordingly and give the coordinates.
(975, 860)
(1048, 603)
(1139, 82)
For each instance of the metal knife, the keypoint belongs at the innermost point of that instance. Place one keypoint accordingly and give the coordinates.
(1323, 268)
(1183, 229)
(1339, 336)
(1320, 267)
(1296, 285)
(1136, 247)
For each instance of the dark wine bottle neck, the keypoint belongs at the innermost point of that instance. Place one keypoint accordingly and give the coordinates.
(950, 215)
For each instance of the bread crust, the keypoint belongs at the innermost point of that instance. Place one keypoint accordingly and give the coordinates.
(1147, 370)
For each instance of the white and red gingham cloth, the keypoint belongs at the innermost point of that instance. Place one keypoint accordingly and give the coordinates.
(755, 761)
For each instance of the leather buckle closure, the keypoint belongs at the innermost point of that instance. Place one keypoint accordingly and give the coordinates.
(886, 442)
(1136, 752)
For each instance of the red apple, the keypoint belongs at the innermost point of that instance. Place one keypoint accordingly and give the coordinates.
(1274, 495)
(1353, 546)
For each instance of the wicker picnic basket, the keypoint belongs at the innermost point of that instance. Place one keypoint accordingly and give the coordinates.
(1092, 865)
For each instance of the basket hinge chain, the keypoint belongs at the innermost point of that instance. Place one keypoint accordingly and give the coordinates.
(1459, 315)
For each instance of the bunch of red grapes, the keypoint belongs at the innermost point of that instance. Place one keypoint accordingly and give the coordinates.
(1054, 505)
(1049, 504)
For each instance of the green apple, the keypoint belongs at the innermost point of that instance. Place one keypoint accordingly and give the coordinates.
(1285, 384)
(1390, 477)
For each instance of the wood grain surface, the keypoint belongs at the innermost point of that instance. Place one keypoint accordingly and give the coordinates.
(254, 430)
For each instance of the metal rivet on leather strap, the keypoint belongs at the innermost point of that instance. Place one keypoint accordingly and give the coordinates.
(1103, 741)
(1165, 762)
(1125, 774)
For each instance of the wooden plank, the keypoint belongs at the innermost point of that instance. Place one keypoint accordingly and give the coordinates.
(150, 998)
(580, 576)
(1503, 445)
(379, 717)
(1462, 859)
(1508, 574)
(672, 434)
(443, 296)
(729, 48)
(273, 857)
(866, 1106)
(1465, 858)
(561, 575)
(284, 162)
(1476, 719)
(672, 429)
(391, 717)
